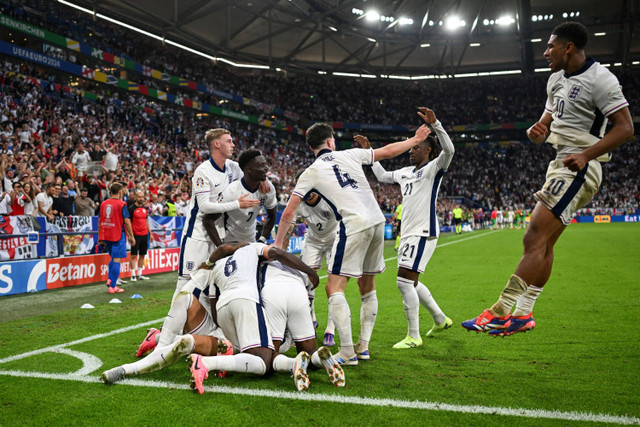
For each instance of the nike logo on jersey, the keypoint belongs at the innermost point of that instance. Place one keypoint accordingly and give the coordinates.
(217, 185)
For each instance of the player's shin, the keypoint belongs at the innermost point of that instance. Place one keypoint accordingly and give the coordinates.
(341, 316)
(176, 318)
(368, 313)
(411, 305)
(525, 303)
(243, 362)
(162, 357)
(514, 289)
(430, 304)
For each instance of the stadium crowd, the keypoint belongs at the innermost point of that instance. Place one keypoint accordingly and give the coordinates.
(48, 136)
(312, 98)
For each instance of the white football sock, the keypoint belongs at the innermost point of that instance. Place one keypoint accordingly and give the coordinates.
(514, 289)
(282, 363)
(411, 305)
(331, 326)
(526, 301)
(242, 362)
(430, 304)
(162, 357)
(341, 315)
(180, 284)
(368, 313)
(315, 360)
(312, 303)
(176, 318)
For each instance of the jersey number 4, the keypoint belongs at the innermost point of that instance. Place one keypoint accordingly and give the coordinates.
(344, 179)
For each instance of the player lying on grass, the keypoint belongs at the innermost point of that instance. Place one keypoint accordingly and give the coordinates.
(244, 322)
(190, 311)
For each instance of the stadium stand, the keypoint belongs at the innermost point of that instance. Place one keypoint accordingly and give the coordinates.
(160, 144)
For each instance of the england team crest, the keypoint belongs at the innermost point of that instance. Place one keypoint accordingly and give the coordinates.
(574, 92)
(190, 265)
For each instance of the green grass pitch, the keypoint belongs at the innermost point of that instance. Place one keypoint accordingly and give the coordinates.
(580, 365)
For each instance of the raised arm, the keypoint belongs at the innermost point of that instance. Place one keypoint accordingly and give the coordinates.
(220, 252)
(395, 149)
(444, 159)
(379, 171)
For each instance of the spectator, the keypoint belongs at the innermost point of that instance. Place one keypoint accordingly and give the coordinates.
(63, 204)
(5, 203)
(18, 200)
(80, 160)
(84, 205)
(44, 200)
(30, 193)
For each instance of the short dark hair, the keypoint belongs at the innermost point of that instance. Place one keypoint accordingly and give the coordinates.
(246, 156)
(318, 134)
(573, 32)
(115, 188)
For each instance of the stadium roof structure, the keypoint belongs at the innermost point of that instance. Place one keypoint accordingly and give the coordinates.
(382, 38)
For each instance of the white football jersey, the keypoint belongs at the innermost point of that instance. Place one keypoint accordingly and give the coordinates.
(339, 178)
(207, 179)
(236, 276)
(240, 224)
(275, 272)
(580, 104)
(321, 222)
(419, 188)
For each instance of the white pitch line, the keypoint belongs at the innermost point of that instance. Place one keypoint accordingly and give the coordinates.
(334, 398)
(354, 400)
(54, 348)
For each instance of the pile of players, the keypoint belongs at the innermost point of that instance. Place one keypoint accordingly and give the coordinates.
(250, 294)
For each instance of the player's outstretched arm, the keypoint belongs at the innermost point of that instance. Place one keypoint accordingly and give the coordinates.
(621, 131)
(292, 261)
(395, 149)
(287, 218)
(379, 171)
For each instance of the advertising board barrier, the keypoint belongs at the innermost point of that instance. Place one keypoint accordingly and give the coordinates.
(31, 276)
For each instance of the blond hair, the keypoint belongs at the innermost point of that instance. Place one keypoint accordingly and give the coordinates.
(213, 134)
